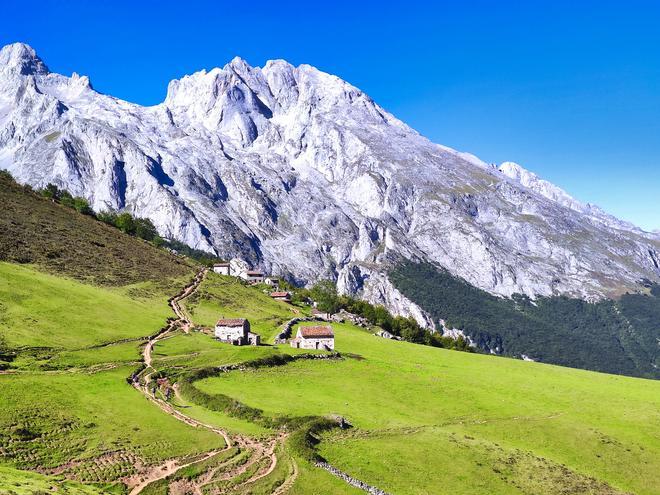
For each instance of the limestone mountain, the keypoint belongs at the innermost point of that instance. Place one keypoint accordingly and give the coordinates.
(304, 175)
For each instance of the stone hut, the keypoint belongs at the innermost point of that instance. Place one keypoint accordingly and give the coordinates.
(281, 296)
(222, 268)
(318, 337)
(253, 276)
(320, 314)
(232, 330)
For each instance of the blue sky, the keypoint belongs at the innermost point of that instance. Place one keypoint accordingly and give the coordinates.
(571, 92)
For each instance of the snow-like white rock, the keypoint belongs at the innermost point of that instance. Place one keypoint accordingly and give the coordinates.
(302, 174)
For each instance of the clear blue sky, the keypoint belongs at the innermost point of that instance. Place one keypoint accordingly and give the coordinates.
(571, 92)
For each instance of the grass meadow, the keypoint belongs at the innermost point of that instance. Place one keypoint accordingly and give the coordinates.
(498, 422)
(424, 420)
(46, 311)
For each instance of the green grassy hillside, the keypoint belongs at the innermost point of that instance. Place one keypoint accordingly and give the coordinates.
(494, 420)
(44, 310)
(425, 420)
(611, 336)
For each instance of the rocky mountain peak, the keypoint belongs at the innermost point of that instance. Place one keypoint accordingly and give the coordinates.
(19, 58)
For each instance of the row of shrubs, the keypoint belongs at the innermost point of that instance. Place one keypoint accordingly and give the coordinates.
(127, 223)
(222, 403)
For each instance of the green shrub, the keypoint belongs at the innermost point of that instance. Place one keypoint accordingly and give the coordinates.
(126, 223)
(81, 205)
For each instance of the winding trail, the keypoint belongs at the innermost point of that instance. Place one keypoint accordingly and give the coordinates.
(259, 450)
(288, 483)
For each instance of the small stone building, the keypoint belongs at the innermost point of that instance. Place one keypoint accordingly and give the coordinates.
(318, 337)
(253, 276)
(272, 281)
(281, 296)
(235, 331)
(222, 268)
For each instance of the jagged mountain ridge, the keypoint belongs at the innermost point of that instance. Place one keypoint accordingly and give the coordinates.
(304, 175)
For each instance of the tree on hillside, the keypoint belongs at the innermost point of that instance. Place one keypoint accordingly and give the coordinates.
(325, 295)
(410, 331)
(51, 191)
(108, 217)
(158, 241)
(145, 229)
(126, 223)
(81, 205)
(65, 199)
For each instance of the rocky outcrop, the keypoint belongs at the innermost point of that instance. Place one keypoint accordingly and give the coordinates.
(301, 174)
(350, 480)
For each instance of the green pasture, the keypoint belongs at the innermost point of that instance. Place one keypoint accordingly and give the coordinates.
(42, 310)
(598, 426)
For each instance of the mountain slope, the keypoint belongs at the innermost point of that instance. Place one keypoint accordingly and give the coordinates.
(36, 230)
(304, 175)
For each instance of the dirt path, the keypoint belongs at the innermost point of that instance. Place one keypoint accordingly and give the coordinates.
(259, 450)
(157, 473)
(288, 482)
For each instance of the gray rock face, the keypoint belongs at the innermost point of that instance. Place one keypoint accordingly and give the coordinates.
(303, 175)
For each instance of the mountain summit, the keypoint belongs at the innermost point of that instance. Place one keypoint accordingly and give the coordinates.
(20, 58)
(304, 175)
